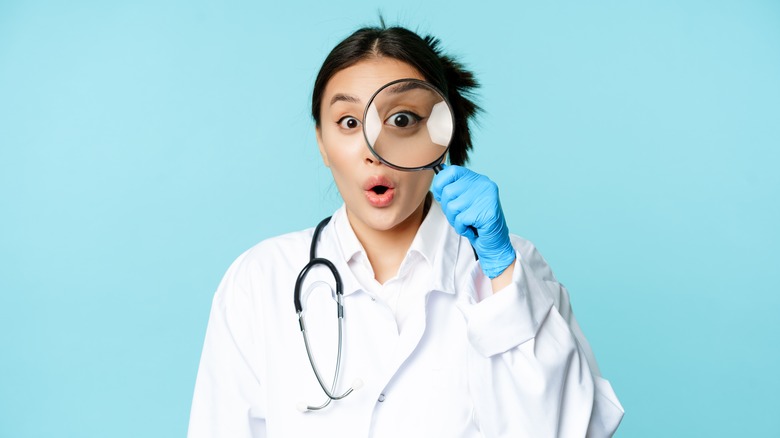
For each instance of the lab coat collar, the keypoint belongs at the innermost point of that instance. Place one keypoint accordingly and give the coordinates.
(436, 242)
(441, 246)
(347, 241)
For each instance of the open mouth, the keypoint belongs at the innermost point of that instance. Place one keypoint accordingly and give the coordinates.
(379, 191)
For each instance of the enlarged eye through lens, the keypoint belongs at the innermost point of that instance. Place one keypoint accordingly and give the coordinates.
(403, 119)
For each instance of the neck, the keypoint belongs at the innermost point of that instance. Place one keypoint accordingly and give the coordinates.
(386, 249)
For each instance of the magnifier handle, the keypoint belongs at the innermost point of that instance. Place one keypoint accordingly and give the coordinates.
(436, 169)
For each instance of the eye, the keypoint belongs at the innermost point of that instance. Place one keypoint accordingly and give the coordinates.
(403, 119)
(348, 122)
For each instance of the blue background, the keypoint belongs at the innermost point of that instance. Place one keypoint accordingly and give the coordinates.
(144, 146)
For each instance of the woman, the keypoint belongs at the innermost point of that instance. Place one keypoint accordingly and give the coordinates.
(455, 330)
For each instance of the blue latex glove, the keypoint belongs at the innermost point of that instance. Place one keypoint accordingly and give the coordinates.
(469, 199)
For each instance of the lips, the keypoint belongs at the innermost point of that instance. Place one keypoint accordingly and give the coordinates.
(379, 191)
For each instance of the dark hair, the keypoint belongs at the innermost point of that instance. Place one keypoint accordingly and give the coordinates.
(424, 54)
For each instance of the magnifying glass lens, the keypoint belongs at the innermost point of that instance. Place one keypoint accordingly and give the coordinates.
(408, 125)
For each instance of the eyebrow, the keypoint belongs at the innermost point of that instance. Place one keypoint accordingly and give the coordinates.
(340, 97)
(406, 86)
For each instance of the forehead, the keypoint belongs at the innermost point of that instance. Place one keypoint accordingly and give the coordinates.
(364, 78)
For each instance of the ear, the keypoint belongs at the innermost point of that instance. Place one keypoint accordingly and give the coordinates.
(322, 147)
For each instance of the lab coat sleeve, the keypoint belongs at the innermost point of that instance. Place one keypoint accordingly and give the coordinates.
(229, 399)
(532, 373)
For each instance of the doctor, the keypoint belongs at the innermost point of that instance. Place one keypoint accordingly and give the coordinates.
(443, 341)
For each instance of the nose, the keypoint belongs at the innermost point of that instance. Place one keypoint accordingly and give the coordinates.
(370, 158)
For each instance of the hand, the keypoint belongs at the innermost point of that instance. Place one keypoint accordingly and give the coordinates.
(469, 199)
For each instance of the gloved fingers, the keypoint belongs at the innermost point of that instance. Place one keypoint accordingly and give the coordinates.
(467, 201)
(466, 190)
(458, 197)
(451, 215)
(483, 218)
(463, 224)
(469, 233)
(472, 184)
(445, 177)
(484, 206)
(453, 209)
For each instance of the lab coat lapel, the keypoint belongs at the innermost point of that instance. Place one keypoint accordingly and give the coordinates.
(443, 272)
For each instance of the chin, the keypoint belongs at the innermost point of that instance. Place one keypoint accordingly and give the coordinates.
(379, 219)
(385, 220)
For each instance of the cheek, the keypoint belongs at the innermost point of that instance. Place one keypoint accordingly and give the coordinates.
(427, 181)
(342, 147)
(421, 183)
(345, 154)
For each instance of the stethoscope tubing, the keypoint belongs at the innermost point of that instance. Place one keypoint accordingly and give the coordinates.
(313, 262)
(328, 392)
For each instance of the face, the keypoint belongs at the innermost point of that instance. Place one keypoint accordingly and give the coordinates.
(376, 196)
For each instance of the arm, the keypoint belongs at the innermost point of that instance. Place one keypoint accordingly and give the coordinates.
(503, 279)
(532, 372)
(228, 398)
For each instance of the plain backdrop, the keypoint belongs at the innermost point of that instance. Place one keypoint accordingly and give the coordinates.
(144, 145)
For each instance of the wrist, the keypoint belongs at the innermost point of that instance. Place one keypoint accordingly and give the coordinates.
(496, 264)
(504, 279)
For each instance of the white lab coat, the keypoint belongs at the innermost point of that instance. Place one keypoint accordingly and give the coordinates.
(466, 364)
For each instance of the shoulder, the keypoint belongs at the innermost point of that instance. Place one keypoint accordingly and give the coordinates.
(281, 246)
(532, 259)
(278, 250)
(268, 259)
(538, 273)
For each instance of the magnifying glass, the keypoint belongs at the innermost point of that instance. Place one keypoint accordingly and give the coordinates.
(408, 125)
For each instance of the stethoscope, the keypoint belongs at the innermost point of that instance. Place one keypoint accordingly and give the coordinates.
(316, 261)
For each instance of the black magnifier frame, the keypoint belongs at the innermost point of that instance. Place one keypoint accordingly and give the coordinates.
(435, 164)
